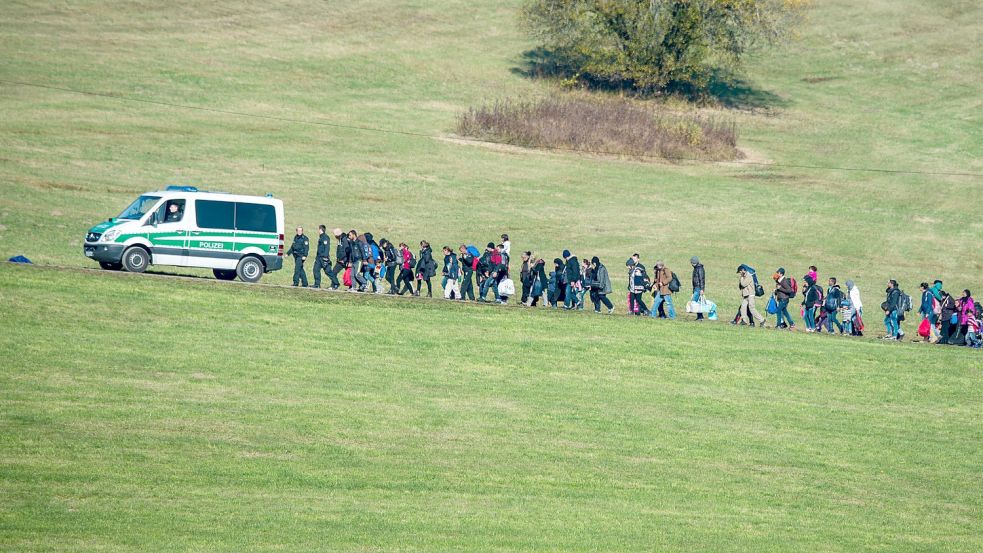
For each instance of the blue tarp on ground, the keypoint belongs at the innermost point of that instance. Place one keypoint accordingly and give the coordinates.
(20, 259)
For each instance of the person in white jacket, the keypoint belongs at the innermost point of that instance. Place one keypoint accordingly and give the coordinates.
(855, 308)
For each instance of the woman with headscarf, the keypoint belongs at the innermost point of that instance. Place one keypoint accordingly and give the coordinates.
(426, 268)
(600, 286)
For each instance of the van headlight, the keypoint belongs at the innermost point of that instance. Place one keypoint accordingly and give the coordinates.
(110, 235)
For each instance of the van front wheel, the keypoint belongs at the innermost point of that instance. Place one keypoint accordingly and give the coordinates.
(136, 259)
(250, 269)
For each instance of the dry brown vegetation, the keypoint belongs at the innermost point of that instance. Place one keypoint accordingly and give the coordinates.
(609, 126)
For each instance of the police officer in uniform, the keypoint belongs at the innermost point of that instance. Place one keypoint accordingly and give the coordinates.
(299, 249)
(322, 259)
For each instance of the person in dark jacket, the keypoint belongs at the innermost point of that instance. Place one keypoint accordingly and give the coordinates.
(390, 259)
(949, 311)
(571, 277)
(810, 301)
(426, 268)
(892, 311)
(342, 253)
(834, 298)
(355, 259)
(539, 283)
(600, 286)
(322, 258)
(557, 286)
(299, 249)
(699, 282)
(525, 276)
(451, 273)
(637, 286)
(783, 291)
(466, 262)
(488, 267)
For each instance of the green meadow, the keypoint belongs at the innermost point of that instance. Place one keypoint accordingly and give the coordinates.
(141, 413)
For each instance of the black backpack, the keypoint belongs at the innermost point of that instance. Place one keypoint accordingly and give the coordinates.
(412, 261)
(833, 300)
(674, 284)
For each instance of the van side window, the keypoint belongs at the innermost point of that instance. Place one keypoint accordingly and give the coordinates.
(215, 214)
(171, 212)
(255, 217)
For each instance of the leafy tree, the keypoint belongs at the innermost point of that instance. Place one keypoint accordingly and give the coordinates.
(650, 45)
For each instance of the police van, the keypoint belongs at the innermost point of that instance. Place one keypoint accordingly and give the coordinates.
(182, 226)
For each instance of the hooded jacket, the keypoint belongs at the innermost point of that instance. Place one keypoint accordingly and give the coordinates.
(571, 271)
(426, 267)
(603, 279)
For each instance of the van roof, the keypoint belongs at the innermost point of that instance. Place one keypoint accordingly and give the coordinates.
(190, 191)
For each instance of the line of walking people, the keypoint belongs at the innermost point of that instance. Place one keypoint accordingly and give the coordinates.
(363, 265)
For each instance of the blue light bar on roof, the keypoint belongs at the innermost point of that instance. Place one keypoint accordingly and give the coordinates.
(176, 188)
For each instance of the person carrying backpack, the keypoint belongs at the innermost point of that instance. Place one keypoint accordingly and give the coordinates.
(404, 283)
(600, 286)
(355, 261)
(699, 282)
(662, 281)
(892, 311)
(832, 304)
(746, 285)
(426, 269)
(928, 309)
(390, 259)
(785, 289)
(853, 315)
(467, 263)
(810, 301)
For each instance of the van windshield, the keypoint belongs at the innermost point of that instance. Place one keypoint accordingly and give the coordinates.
(139, 207)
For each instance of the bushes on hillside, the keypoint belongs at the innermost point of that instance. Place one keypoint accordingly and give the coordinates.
(616, 126)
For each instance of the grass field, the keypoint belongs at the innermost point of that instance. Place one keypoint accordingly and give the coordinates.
(279, 420)
(294, 421)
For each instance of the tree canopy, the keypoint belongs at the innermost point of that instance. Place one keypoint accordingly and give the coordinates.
(650, 45)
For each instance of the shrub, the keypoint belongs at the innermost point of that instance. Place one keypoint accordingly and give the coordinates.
(617, 127)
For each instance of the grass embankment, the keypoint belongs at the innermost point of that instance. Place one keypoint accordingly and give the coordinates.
(149, 414)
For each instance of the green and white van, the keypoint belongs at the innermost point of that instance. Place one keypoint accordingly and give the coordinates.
(184, 227)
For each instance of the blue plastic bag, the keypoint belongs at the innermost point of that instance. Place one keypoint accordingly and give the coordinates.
(772, 306)
(20, 259)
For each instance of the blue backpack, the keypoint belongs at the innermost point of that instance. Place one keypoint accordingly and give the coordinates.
(473, 250)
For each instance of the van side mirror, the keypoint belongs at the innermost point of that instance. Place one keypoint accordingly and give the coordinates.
(153, 219)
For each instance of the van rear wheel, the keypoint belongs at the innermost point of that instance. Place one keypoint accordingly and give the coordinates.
(224, 274)
(250, 269)
(136, 259)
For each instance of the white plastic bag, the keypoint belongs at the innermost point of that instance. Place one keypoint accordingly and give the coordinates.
(506, 288)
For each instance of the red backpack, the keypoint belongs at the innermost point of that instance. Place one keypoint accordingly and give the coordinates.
(794, 285)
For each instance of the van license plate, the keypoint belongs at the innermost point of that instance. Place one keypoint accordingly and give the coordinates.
(89, 253)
